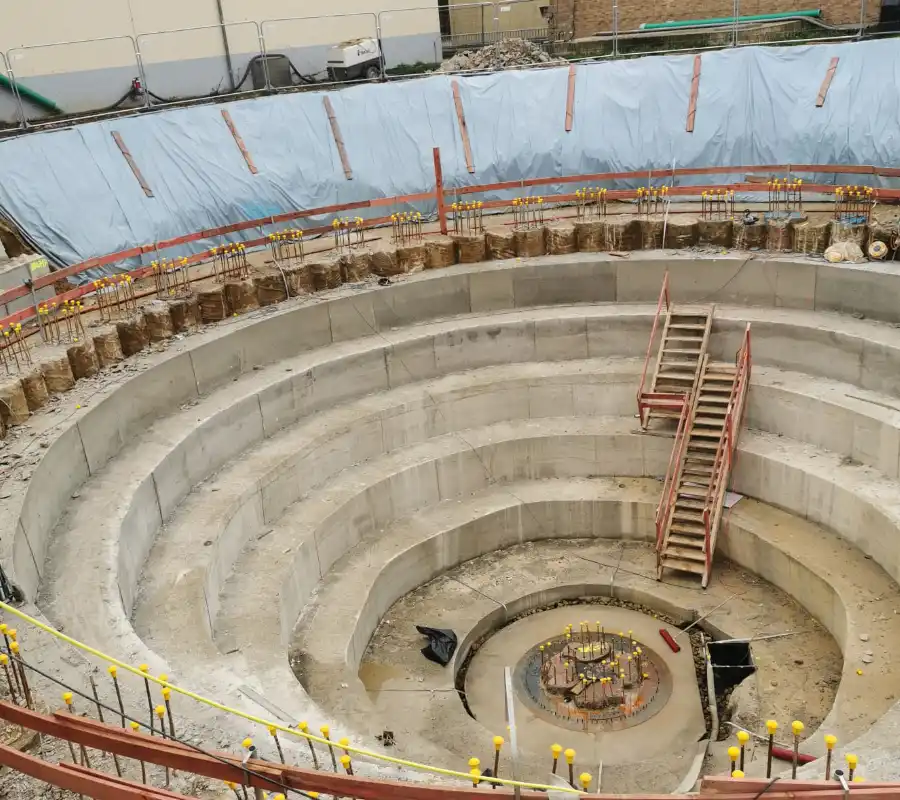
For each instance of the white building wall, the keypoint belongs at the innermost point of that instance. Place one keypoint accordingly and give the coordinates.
(41, 22)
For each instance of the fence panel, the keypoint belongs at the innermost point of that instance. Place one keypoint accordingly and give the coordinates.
(309, 61)
(522, 19)
(411, 39)
(466, 25)
(804, 28)
(74, 77)
(11, 112)
(186, 63)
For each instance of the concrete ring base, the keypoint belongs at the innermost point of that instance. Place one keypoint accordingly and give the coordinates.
(441, 537)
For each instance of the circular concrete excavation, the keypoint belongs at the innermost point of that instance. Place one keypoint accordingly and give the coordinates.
(267, 510)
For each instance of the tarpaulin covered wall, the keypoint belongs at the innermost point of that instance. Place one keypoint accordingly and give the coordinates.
(76, 197)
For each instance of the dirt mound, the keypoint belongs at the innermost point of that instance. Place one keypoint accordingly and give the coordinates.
(508, 53)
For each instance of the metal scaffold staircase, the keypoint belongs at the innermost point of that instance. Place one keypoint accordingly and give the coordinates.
(685, 337)
(708, 399)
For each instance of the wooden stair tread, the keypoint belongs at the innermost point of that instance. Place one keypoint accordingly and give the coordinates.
(669, 375)
(688, 528)
(687, 553)
(685, 540)
(683, 564)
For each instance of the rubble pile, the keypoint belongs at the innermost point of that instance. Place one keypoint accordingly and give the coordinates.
(508, 53)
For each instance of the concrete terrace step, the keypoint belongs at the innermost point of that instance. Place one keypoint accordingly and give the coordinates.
(362, 566)
(566, 323)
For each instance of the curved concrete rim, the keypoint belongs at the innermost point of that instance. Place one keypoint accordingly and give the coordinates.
(239, 417)
(412, 554)
(100, 432)
(244, 355)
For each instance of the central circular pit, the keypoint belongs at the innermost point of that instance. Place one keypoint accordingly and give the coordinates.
(588, 678)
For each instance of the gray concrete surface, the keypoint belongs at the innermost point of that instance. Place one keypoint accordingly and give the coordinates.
(497, 286)
(110, 433)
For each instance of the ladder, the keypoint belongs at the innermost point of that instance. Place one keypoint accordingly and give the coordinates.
(690, 511)
(685, 338)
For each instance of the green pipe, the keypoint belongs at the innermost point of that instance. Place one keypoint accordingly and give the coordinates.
(30, 94)
(656, 26)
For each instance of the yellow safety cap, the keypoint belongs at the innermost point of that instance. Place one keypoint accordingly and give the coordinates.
(556, 749)
(570, 755)
(585, 779)
(160, 711)
(743, 737)
(345, 760)
(771, 726)
(830, 740)
(734, 752)
(67, 698)
(498, 742)
(325, 729)
(248, 743)
(737, 774)
(852, 760)
(797, 727)
(135, 726)
(474, 762)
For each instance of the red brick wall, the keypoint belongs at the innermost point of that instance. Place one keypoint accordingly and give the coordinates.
(593, 16)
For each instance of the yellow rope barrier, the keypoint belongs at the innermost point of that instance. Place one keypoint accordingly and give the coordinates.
(267, 723)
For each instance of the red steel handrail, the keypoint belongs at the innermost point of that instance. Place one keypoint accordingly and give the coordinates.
(441, 194)
(663, 298)
(725, 451)
(670, 485)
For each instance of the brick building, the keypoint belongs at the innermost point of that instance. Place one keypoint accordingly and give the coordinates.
(582, 18)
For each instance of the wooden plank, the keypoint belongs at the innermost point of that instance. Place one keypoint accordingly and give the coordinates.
(120, 142)
(463, 130)
(228, 767)
(439, 190)
(338, 139)
(570, 100)
(829, 76)
(158, 794)
(239, 141)
(81, 781)
(695, 89)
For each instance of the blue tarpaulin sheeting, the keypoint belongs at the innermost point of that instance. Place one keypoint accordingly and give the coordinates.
(74, 194)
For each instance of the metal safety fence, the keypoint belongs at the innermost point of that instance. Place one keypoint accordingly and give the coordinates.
(127, 74)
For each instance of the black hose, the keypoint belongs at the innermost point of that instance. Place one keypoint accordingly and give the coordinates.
(121, 101)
